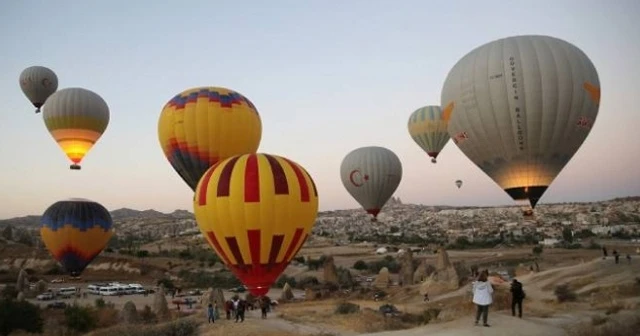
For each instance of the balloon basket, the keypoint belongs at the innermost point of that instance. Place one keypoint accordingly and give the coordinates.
(75, 167)
(434, 160)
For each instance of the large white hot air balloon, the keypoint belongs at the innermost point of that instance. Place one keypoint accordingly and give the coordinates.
(371, 175)
(38, 83)
(522, 106)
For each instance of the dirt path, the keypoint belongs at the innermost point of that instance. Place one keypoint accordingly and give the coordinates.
(501, 325)
(272, 326)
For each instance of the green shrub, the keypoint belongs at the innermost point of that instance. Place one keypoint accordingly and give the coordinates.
(360, 265)
(347, 308)
(19, 315)
(81, 319)
(564, 293)
(100, 303)
(147, 315)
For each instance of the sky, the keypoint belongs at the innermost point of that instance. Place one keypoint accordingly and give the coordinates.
(326, 77)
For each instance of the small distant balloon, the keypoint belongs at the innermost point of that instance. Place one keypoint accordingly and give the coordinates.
(38, 83)
(459, 183)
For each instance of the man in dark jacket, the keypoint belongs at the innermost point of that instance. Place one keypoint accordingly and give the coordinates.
(517, 295)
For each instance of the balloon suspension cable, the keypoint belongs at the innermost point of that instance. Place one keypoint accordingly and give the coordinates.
(75, 167)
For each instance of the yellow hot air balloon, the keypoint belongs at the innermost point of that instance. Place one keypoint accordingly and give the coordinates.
(76, 118)
(202, 126)
(256, 211)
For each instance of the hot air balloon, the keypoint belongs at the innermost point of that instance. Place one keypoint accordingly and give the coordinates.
(458, 183)
(428, 128)
(76, 118)
(202, 126)
(38, 83)
(371, 175)
(75, 231)
(256, 211)
(522, 106)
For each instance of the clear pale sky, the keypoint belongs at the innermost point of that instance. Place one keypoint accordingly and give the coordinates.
(326, 76)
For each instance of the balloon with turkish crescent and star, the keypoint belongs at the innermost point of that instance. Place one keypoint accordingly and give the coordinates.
(371, 175)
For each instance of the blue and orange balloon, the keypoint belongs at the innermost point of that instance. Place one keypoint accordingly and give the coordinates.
(75, 231)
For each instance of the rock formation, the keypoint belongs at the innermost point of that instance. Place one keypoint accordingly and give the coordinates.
(423, 271)
(23, 283)
(406, 268)
(211, 296)
(330, 271)
(287, 293)
(383, 279)
(129, 313)
(160, 305)
(445, 278)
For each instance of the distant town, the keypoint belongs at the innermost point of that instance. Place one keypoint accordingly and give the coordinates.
(422, 225)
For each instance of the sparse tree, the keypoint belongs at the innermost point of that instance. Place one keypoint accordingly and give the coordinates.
(537, 250)
(567, 235)
(7, 232)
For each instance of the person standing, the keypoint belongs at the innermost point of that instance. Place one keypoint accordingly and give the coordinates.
(517, 295)
(482, 297)
(616, 255)
(240, 308)
(264, 306)
(210, 313)
(604, 253)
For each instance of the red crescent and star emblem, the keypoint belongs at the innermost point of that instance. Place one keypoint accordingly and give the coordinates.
(357, 178)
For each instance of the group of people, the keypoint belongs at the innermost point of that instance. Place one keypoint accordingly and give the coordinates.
(616, 255)
(483, 297)
(236, 308)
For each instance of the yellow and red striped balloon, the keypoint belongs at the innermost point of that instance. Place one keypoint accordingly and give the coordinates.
(256, 211)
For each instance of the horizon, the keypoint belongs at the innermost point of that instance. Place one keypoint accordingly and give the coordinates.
(321, 90)
(364, 213)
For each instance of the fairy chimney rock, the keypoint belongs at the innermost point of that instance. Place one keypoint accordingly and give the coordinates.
(382, 280)
(406, 267)
(287, 293)
(330, 271)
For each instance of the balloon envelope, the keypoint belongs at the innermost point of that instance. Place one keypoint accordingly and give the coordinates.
(371, 175)
(76, 118)
(202, 126)
(428, 128)
(38, 83)
(522, 106)
(75, 231)
(256, 211)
